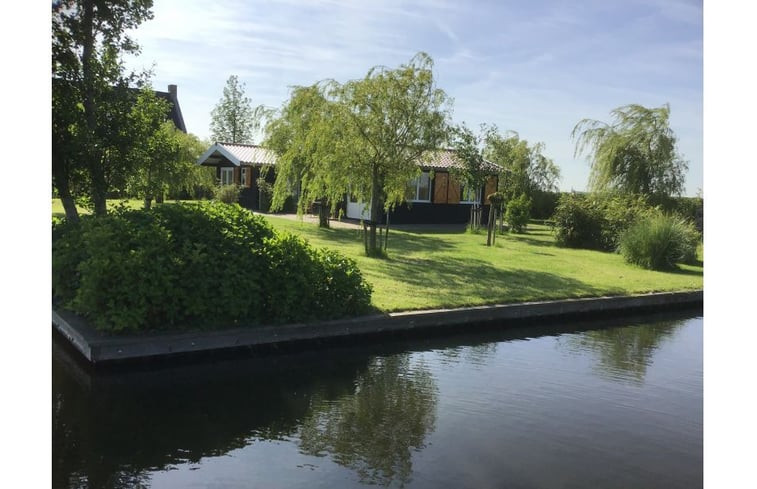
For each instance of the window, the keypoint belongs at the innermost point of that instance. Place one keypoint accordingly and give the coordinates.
(470, 195)
(243, 180)
(420, 188)
(227, 176)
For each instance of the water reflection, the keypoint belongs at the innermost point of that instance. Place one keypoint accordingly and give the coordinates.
(375, 429)
(624, 353)
(369, 409)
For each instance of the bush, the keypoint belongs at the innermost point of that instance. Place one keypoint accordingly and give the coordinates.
(660, 241)
(543, 204)
(518, 213)
(196, 265)
(228, 194)
(596, 221)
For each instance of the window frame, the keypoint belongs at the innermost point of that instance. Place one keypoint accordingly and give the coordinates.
(242, 176)
(416, 182)
(227, 170)
(463, 192)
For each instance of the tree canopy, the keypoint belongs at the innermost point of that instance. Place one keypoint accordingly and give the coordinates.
(363, 137)
(91, 99)
(526, 169)
(636, 153)
(233, 120)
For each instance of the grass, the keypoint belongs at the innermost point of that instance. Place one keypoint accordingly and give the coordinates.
(439, 269)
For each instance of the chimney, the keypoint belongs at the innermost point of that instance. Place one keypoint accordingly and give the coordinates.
(172, 90)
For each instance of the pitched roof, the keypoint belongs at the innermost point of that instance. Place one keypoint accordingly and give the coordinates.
(444, 159)
(175, 113)
(253, 154)
(237, 154)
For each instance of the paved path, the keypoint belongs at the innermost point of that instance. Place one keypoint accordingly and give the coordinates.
(355, 224)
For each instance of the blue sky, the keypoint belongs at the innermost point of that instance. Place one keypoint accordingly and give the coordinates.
(532, 67)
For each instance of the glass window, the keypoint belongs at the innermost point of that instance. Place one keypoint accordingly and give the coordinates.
(470, 195)
(420, 188)
(243, 180)
(227, 176)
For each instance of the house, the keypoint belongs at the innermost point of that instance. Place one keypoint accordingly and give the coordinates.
(175, 115)
(242, 164)
(437, 196)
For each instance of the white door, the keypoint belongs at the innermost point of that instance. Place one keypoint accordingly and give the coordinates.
(358, 210)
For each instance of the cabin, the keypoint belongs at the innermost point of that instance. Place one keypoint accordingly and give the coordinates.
(436, 195)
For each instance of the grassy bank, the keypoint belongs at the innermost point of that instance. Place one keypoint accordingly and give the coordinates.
(429, 269)
(435, 269)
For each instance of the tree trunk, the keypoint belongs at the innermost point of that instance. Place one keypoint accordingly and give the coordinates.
(323, 213)
(93, 158)
(375, 213)
(490, 227)
(148, 202)
(61, 181)
(72, 213)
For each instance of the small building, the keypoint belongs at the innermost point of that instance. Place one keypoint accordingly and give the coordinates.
(437, 196)
(243, 164)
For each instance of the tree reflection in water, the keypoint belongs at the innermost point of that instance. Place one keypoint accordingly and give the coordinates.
(375, 429)
(624, 353)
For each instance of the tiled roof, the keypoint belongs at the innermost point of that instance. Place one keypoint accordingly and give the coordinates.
(445, 159)
(250, 154)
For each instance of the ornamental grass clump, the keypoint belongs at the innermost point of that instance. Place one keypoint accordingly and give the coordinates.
(659, 242)
(197, 266)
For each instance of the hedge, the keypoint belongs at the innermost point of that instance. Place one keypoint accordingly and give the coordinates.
(197, 265)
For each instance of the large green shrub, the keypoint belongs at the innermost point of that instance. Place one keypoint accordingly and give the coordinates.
(518, 213)
(596, 221)
(197, 265)
(659, 242)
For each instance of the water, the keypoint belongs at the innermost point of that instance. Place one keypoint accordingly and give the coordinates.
(612, 404)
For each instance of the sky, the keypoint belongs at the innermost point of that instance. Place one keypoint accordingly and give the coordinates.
(535, 67)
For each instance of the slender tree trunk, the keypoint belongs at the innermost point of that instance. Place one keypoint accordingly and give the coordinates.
(94, 160)
(386, 235)
(375, 212)
(61, 181)
(490, 227)
(148, 202)
(323, 213)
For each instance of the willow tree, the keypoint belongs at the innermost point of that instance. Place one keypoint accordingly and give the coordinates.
(525, 168)
(306, 143)
(363, 138)
(388, 120)
(636, 153)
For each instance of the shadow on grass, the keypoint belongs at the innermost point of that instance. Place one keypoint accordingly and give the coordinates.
(407, 242)
(465, 282)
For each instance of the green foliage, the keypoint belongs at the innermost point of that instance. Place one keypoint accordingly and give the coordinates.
(636, 154)
(526, 169)
(596, 221)
(228, 194)
(197, 265)
(164, 160)
(233, 120)
(659, 242)
(91, 96)
(362, 137)
(518, 213)
(543, 204)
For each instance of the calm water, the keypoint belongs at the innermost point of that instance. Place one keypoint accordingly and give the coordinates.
(601, 404)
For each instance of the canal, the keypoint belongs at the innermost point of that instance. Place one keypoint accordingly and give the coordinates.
(606, 403)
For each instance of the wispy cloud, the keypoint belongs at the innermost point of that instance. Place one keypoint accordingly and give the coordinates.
(534, 67)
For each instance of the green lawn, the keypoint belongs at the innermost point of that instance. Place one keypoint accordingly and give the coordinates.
(435, 269)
